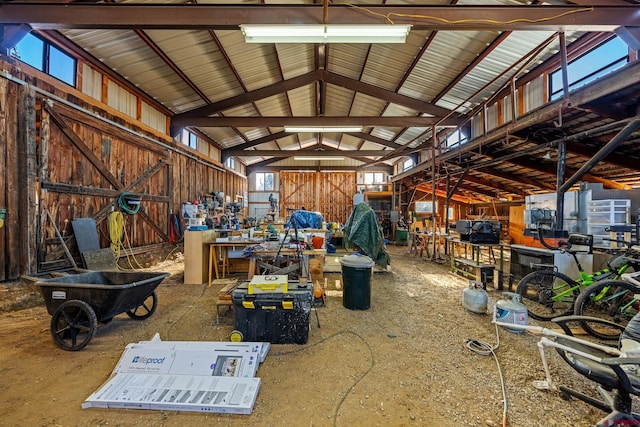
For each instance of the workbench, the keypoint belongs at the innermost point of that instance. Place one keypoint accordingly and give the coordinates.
(266, 261)
(219, 255)
(479, 257)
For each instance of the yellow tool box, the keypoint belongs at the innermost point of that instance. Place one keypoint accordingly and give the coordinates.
(272, 283)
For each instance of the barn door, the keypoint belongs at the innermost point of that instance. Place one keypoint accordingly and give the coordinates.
(331, 194)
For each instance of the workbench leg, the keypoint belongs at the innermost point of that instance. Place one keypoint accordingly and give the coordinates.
(252, 268)
(225, 261)
(211, 251)
(215, 262)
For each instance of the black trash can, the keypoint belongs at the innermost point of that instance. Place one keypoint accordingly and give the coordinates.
(356, 281)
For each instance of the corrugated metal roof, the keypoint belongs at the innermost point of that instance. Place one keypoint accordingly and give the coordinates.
(428, 76)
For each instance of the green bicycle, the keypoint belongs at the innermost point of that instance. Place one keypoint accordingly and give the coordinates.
(613, 300)
(547, 293)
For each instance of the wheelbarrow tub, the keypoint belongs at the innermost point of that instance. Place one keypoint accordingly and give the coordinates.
(109, 293)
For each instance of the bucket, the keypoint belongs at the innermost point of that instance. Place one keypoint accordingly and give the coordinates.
(356, 281)
(317, 242)
(512, 311)
(475, 298)
(401, 235)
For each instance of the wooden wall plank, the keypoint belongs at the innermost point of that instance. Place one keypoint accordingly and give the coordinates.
(27, 165)
(4, 172)
(11, 221)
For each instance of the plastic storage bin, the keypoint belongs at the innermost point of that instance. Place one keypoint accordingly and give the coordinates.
(276, 317)
(356, 281)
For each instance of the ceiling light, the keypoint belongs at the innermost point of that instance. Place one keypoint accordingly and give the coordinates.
(547, 155)
(284, 33)
(317, 158)
(319, 129)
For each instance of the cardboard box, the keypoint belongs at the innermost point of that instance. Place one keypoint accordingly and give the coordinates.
(184, 376)
(193, 393)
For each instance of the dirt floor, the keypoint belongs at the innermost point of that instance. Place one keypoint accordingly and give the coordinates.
(403, 362)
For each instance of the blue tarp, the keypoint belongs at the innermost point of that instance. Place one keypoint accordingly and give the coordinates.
(305, 219)
(363, 233)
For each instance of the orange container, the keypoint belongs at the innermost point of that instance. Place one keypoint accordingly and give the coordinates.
(317, 242)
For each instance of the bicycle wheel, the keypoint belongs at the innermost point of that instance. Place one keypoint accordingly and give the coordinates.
(548, 294)
(612, 300)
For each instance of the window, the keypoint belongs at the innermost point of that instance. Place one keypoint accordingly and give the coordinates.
(424, 207)
(374, 178)
(46, 57)
(189, 139)
(408, 164)
(264, 181)
(231, 163)
(456, 137)
(605, 58)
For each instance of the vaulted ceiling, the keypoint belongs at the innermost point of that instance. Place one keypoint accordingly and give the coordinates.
(191, 59)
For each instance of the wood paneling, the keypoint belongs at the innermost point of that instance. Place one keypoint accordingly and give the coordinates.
(76, 165)
(331, 194)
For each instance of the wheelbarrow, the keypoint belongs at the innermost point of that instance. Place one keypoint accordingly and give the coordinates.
(78, 302)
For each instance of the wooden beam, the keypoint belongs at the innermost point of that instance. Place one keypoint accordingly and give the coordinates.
(251, 169)
(93, 191)
(375, 139)
(249, 97)
(291, 153)
(229, 17)
(279, 121)
(387, 95)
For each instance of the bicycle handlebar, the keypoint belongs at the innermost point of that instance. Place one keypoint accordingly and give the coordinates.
(583, 240)
(563, 245)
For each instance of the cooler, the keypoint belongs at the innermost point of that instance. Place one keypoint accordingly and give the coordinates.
(275, 317)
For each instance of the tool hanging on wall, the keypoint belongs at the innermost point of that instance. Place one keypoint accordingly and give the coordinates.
(129, 203)
(115, 225)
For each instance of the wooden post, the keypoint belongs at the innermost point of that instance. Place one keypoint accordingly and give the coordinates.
(27, 178)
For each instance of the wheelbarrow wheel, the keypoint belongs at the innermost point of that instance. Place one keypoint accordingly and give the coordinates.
(146, 309)
(73, 325)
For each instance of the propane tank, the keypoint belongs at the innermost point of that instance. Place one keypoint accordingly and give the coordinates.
(512, 311)
(474, 298)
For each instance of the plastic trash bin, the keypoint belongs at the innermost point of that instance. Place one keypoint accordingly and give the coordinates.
(402, 235)
(356, 281)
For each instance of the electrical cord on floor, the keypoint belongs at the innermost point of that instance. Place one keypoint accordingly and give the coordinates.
(372, 363)
(486, 349)
(189, 308)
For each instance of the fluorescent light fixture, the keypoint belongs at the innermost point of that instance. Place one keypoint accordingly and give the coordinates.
(284, 33)
(317, 158)
(322, 129)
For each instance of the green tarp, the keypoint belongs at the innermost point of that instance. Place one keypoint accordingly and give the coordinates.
(362, 232)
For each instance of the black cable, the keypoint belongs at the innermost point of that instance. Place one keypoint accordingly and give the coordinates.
(366, 372)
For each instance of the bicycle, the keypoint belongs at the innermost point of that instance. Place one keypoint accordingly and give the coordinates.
(547, 293)
(614, 300)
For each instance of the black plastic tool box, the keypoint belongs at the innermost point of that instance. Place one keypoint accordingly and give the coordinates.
(275, 317)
